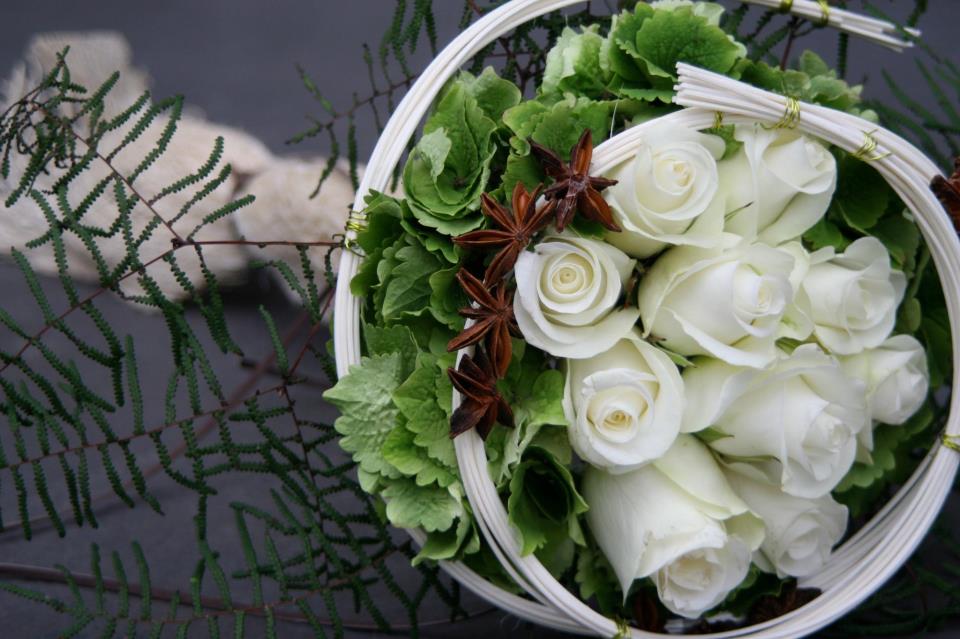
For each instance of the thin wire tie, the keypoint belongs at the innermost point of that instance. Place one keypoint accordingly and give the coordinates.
(717, 119)
(824, 12)
(791, 116)
(623, 630)
(868, 151)
(356, 222)
(952, 442)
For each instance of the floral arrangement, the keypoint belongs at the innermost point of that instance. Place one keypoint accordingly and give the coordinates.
(703, 361)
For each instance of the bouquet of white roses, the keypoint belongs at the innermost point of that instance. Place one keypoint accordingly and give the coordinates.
(704, 356)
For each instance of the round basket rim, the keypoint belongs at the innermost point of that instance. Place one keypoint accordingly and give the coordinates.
(918, 501)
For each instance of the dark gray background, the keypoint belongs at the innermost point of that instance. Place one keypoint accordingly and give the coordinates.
(235, 60)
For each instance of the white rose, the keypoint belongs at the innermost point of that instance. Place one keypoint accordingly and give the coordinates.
(896, 377)
(567, 293)
(800, 533)
(724, 303)
(800, 418)
(853, 296)
(667, 193)
(677, 521)
(779, 184)
(624, 406)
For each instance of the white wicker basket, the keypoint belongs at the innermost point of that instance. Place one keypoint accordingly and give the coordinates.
(869, 558)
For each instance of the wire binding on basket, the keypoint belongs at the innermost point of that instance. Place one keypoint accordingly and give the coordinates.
(869, 151)
(356, 222)
(951, 441)
(824, 13)
(623, 630)
(791, 116)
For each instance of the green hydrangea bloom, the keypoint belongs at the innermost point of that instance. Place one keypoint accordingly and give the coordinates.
(449, 168)
(645, 45)
(574, 64)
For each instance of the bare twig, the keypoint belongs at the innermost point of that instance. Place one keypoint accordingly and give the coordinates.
(217, 606)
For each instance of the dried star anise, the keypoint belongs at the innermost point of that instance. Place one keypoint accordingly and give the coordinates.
(514, 233)
(482, 404)
(947, 191)
(574, 188)
(493, 320)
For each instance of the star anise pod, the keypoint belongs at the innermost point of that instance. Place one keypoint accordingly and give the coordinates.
(574, 188)
(493, 320)
(482, 404)
(947, 191)
(514, 233)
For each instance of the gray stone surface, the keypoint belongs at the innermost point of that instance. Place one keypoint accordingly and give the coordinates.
(234, 59)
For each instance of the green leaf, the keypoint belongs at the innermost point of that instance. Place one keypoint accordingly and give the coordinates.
(401, 451)
(813, 65)
(522, 120)
(447, 298)
(536, 396)
(862, 194)
(408, 291)
(557, 555)
(711, 434)
(556, 441)
(891, 446)
(544, 502)
(935, 332)
(596, 579)
(434, 148)
(418, 399)
(450, 544)
(383, 214)
(557, 126)
(382, 340)
(587, 228)
(825, 233)
(910, 316)
(647, 95)
(574, 64)
(543, 403)
(901, 237)
(449, 167)
(493, 94)
(680, 35)
(621, 47)
(813, 82)
(382, 230)
(523, 169)
(368, 413)
(429, 507)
